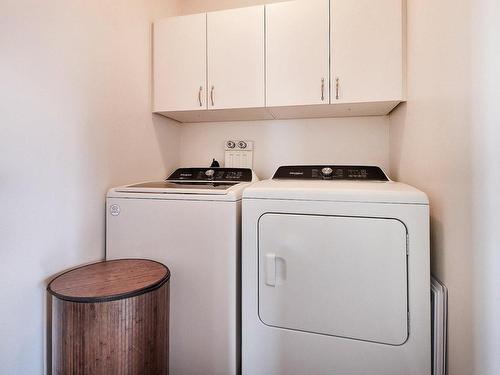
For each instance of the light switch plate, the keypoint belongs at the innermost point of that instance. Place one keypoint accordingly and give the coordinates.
(239, 154)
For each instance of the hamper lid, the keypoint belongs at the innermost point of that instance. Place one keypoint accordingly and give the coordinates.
(109, 280)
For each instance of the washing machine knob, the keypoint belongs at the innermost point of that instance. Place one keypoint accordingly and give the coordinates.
(327, 171)
(210, 173)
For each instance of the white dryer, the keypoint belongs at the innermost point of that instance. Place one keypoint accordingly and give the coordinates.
(192, 223)
(335, 274)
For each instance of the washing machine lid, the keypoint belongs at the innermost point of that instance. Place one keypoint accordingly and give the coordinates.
(335, 183)
(225, 183)
(182, 187)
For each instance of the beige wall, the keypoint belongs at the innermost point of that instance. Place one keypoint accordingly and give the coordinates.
(75, 104)
(361, 140)
(445, 140)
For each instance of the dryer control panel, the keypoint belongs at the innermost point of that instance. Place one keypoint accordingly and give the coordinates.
(222, 175)
(331, 172)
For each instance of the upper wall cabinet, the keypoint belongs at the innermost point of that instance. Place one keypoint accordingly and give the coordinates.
(297, 53)
(293, 59)
(235, 40)
(179, 63)
(367, 50)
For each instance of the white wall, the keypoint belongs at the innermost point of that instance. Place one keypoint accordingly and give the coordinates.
(75, 105)
(445, 140)
(360, 140)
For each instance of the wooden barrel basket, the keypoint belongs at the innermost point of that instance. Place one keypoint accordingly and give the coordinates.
(111, 318)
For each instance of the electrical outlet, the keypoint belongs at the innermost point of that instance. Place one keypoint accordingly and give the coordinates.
(239, 154)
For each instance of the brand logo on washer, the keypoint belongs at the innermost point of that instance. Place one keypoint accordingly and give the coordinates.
(114, 209)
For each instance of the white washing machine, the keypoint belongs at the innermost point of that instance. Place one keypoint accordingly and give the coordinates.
(192, 223)
(335, 274)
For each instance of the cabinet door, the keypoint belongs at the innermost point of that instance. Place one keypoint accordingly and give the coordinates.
(297, 53)
(180, 63)
(236, 58)
(367, 50)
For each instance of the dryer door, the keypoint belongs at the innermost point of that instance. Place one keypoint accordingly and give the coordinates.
(334, 275)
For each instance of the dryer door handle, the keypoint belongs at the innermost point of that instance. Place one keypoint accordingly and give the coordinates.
(275, 270)
(270, 269)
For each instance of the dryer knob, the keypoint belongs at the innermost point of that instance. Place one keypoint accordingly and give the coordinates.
(210, 173)
(327, 171)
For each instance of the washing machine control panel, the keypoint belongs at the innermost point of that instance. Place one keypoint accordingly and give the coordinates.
(331, 172)
(223, 175)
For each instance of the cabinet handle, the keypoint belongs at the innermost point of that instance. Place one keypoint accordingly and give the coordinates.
(322, 89)
(199, 96)
(337, 96)
(212, 95)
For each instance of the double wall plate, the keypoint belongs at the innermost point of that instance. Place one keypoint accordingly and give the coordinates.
(238, 154)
